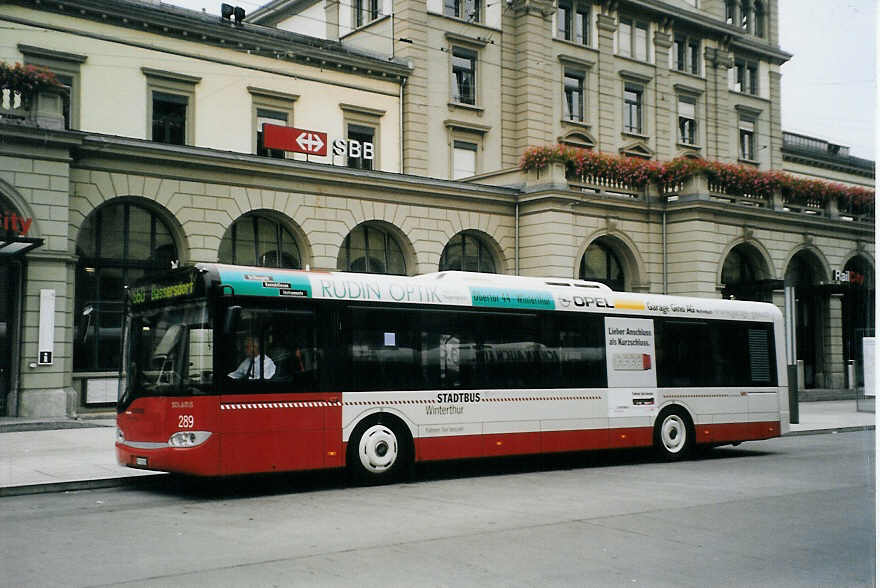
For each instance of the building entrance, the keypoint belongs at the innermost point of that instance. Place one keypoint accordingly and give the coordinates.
(9, 288)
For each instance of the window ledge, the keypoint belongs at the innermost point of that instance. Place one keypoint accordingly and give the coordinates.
(747, 95)
(576, 44)
(576, 123)
(636, 135)
(690, 146)
(463, 106)
(753, 162)
(688, 74)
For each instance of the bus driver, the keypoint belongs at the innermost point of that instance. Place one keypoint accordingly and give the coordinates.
(250, 366)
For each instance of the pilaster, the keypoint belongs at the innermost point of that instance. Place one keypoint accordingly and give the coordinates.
(609, 94)
(718, 115)
(412, 24)
(664, 101)
(532, 90)
(775, 118)
(834, 362)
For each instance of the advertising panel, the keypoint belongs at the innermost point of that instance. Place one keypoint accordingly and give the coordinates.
(631, 365)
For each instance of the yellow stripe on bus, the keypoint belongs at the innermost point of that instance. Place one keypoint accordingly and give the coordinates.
(629, 304)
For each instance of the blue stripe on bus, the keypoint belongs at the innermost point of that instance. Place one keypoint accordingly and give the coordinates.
(511, 298)
(266, 282)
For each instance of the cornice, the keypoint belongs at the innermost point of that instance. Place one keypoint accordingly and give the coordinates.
(826, 163)
(207, 29)
(703, 22)
(100, 151)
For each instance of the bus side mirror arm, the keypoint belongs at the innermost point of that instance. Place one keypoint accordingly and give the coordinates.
(230, 323)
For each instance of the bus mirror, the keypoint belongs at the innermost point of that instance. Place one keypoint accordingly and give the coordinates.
(85, 323)
(233, 314)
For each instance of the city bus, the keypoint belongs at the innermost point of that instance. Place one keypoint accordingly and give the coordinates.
(231, 370)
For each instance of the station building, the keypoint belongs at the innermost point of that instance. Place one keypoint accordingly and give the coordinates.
(153, 153)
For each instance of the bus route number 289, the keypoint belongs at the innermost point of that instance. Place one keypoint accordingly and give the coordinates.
(185, 421)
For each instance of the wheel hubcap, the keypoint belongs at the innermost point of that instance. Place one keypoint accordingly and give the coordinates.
(673, 433)
(378, 449)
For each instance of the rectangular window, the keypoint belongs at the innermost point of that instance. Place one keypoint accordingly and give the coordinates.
(563, 21)
(574, 97)
(272, 117)
(730, 12)
(169, 118)
(573, 22)
(464, 159)
(632, 39)
(714, 353)
(363, 155)
(686, 54)
(624, 37)
(640, 49)
(687, 121)
(464, 64)
(632, 108)
(272, 351)
(582, 25)
(465, 9)
(747, 139)
(745, 77)
(366, 11)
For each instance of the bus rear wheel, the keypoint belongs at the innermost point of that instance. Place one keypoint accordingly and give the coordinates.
(673, 434)
(378, 452)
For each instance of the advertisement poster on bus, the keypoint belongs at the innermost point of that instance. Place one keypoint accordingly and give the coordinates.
(631, 365)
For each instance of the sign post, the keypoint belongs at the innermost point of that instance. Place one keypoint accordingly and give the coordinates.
(791, 353)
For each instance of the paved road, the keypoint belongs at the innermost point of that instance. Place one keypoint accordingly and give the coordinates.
(786, 512)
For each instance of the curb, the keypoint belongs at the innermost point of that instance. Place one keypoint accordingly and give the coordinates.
(830, 431)
(71, 486)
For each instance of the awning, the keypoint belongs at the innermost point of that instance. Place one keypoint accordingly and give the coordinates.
(11, 247)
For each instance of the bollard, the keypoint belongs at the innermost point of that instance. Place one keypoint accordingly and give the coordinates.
(851, 374)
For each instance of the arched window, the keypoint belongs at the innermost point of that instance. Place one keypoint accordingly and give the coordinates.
(372, 250)
(601, 264)
(466, 252)
(255, 239)
(117, 245)
(743, 276)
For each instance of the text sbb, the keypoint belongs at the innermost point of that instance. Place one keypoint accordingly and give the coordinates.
(354, 149)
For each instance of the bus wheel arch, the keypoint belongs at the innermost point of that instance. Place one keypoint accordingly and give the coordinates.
(380, 449)
(674, 432)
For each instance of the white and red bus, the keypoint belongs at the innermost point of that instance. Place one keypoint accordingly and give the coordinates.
(235, 370)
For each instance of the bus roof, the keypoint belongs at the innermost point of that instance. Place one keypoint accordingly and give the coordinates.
(471, 289)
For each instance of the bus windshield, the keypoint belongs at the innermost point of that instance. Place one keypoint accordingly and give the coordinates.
(169, 351)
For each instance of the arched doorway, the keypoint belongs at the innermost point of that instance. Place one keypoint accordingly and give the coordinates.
(16, 239)
(118, 243)
(805, 273)
(745, 276)
(602, 263)
(857, 283)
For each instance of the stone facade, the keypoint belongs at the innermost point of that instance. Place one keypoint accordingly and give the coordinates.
(536, 223)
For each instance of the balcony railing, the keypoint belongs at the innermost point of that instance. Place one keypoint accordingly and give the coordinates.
(700, 188)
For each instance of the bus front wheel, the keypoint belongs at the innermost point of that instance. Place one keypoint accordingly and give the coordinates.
(378, 451)
(673, 434)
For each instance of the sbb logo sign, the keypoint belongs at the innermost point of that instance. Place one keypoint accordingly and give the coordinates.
(354, 149)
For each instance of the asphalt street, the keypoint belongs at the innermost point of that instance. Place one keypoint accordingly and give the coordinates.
(794, 511)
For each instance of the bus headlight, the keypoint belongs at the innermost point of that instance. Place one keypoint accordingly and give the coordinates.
(120, 436)
(188, 438)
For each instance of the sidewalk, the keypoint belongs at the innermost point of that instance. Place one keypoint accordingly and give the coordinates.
(62, 454)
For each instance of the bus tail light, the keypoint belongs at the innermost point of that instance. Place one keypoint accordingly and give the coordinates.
(188, 438)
